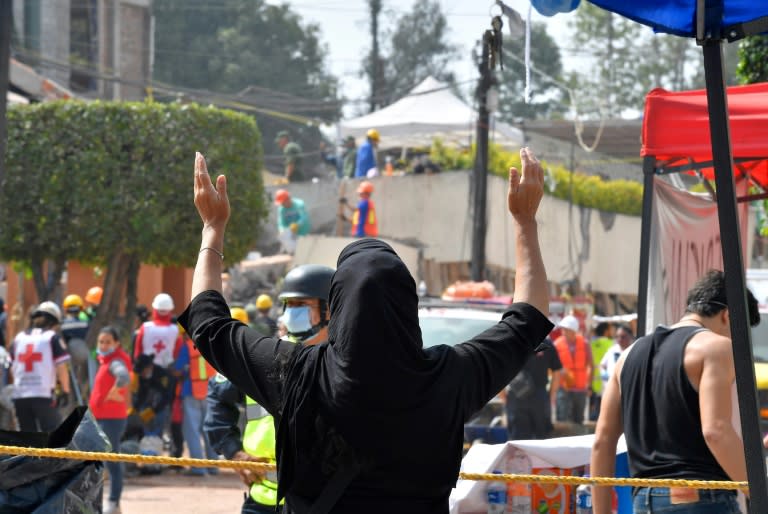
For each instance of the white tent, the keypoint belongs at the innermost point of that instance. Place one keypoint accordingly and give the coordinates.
(429, 111)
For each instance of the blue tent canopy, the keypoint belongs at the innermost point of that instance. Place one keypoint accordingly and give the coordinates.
(729, 19)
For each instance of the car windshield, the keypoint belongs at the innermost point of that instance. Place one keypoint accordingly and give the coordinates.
(760, 339)
(453, 326)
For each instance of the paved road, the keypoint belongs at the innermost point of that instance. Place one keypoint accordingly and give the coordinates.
(175, 493)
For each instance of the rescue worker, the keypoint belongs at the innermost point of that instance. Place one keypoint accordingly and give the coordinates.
(92, 302)
(305, 301)
(292, 219)
(74, 331)
(39, 360)
(160, 335)
(152, 389)
(294, 171)
(365, 164)
(160, 338)
(262, 321)
(364, 221)
(194, 371)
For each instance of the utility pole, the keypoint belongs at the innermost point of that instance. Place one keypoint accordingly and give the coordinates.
(375, 6)
(5, 64)
(480, 171)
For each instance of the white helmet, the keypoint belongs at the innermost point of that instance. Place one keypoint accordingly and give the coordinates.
(569, 323)
(163, 302)
(49, 308)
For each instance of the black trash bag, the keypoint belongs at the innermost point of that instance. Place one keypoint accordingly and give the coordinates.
(42, 485)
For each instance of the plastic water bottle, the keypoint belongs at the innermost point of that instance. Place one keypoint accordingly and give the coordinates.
(518, 493)
(497, 496)
(584, 499)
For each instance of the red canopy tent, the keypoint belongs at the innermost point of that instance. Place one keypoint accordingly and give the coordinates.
(676, 132)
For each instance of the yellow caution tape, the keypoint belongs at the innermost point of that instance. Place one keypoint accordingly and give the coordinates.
(263, 466)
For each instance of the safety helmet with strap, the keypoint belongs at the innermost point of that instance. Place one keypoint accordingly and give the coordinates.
(307, 282)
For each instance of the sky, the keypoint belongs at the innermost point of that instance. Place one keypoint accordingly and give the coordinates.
(345, 31)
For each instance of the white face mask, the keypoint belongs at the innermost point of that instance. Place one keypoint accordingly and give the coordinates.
(297, 320)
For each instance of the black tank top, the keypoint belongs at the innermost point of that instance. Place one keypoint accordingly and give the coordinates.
(660, 409)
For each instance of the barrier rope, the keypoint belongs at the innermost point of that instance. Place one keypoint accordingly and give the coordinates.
(263, 466)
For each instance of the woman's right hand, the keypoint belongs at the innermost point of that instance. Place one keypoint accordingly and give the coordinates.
(212, 202)
(250, 476)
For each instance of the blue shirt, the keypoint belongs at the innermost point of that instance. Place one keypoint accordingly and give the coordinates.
(182, 364)
(362, 215)
(366, 159)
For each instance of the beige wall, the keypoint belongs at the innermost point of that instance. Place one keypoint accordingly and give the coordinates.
(432, 213)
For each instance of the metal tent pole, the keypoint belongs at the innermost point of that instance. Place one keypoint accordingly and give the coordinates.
(649, 163)
(730, 238)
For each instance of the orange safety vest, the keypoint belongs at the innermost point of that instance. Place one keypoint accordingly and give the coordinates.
(574, 365)
(199, 372)
(371, 227)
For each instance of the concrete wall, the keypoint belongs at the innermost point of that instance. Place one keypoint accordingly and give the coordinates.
(134, 40)
(325, 250)
(432, 213)
(54, 38)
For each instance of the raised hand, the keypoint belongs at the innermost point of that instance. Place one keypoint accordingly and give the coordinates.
(526, 189)
(212, 202)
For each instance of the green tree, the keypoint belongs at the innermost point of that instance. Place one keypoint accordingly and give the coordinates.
(546, 96)
(419, 48)
(753, 68)
(109, 184)
(263, 56)
(610, 85)
(666, 61)
(753, 60)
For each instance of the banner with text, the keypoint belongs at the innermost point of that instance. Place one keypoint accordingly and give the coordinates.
(685, 243)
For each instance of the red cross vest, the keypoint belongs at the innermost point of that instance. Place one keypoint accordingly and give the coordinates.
(199, 372)
(159, 340)
(34, 372)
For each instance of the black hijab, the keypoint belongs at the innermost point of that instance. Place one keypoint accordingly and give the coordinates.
(371, 376)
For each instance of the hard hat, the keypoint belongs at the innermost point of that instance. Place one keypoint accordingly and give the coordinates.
(307, 281)
(94, 295)
(239, 314)
(373, 134)
(73, 300)
(163, 302)
(263, 302)
(49, 308)
(281, 195)
(365, 187)
(569, 323)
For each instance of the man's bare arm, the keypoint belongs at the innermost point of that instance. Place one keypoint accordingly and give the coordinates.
(62, 374)
(554, 385)
(607, 433)
(717, 377)
(523, 198)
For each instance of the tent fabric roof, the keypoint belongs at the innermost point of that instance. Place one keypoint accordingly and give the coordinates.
(676, 129)
(429, 110)
(678, 17)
